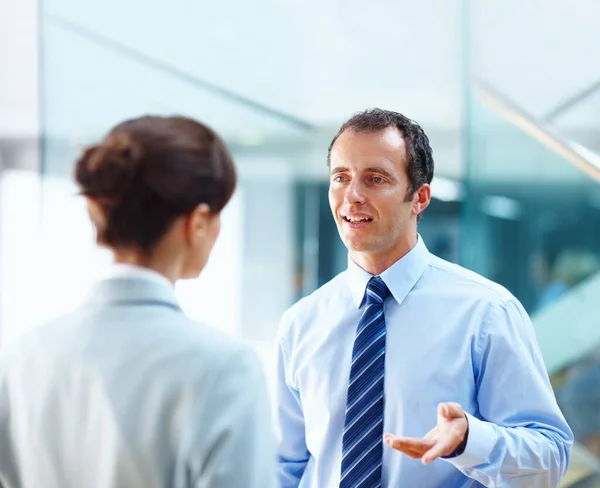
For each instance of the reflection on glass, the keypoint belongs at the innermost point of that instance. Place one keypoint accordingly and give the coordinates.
(578, 118)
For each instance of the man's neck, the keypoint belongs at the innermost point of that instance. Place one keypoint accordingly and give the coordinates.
(377, 263)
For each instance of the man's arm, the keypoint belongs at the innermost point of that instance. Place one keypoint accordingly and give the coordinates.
(519, 438)
(237, 448)
(293, 454)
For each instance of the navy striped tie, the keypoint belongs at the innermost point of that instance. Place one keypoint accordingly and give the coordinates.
(362, 443)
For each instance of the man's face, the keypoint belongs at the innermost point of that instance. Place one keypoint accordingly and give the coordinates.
(368, 191)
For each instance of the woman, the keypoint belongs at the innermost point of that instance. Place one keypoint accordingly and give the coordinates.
(126, 391)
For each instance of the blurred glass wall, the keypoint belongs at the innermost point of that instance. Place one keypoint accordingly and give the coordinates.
(532, 216)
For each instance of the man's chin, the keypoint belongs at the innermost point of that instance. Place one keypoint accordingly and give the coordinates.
(355, 245)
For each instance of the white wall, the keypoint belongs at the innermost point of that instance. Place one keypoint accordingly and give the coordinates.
(19, 124)
(18, 68)
(19, 252)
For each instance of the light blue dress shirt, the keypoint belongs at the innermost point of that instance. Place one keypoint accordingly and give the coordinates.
(451, 336)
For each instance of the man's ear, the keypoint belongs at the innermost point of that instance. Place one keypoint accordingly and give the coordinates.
(422, 200)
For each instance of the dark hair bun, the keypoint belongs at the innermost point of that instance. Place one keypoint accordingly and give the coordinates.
(148, 172)
(106, 171)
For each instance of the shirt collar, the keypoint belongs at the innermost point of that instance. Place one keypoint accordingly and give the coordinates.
(399, 278)
(128, 284)
(130, 271)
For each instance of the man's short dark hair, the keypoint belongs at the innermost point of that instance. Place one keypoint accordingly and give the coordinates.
(418, 151)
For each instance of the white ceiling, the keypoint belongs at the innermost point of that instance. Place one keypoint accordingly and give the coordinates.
(315, 60)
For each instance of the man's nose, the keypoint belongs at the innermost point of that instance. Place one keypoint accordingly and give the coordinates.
(355, 192)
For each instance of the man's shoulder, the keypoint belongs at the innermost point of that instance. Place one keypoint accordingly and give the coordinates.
(456, 277)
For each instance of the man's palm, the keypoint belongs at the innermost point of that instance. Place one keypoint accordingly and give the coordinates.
(442, 440)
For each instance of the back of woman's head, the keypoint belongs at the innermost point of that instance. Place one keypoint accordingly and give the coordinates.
(147, 172)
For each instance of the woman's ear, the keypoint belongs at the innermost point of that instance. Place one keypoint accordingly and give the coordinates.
(96, 214)
(198, 223)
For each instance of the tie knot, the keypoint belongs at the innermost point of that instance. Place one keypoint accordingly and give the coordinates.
(377, 290)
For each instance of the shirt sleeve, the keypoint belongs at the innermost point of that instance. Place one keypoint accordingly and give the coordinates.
(239, 444)
(293, 454)
(519, 437)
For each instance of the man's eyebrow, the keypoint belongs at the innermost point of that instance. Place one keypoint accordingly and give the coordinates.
(382, 171)
(372, 169)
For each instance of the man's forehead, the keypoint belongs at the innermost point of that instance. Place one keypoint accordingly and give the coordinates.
(387, 140)
(369, 149)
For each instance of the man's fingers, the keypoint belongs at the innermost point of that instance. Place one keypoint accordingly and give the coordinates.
(411, 453)
(441, 448)
(409, 443)
(438, 441)
(432, 434)
(410, 446)
(450, 410)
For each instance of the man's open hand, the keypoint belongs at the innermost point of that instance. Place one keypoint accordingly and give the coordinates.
(451, 430)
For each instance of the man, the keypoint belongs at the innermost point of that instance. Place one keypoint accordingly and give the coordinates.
(402, 338)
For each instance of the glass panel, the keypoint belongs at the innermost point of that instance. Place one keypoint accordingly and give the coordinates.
(532, 223)
(579, 119)
(531, 219)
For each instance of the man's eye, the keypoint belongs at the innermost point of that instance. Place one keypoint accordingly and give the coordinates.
(338, 178)
(377, 179)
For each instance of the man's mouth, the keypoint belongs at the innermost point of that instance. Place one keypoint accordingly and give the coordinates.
(356, 220)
